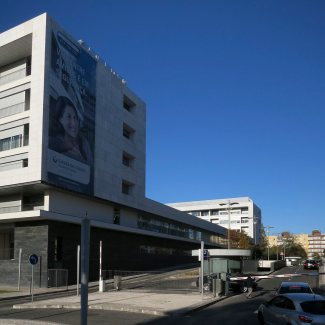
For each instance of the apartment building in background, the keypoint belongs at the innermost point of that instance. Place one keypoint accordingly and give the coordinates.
(316, 243)
(73, 145)
(244, 214)
(313, 244)
(285, 236)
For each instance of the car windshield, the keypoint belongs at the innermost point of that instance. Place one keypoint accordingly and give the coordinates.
(295, 289)
(313, 307)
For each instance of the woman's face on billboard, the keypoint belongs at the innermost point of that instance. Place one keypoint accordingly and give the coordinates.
(70, 122)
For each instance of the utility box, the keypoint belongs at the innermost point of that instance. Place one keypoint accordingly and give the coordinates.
(220, 287)
(117, 282)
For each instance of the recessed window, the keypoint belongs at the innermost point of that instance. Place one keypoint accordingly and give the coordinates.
(127, 187)
(127, 159)
(128, 104)
(128, 131)
(116, 217)
(204, 213)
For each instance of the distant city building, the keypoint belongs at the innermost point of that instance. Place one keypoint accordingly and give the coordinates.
(313, 244)
(285, 236)
(244, 214)
(316, 243)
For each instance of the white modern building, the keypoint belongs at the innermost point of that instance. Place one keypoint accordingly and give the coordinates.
(73, 140)
(244, 214)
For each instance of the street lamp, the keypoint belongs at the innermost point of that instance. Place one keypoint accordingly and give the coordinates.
(229, 208)
(277, 246)
(268, 244)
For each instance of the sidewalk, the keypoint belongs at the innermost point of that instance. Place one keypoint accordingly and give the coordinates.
(138, 301)
(163, 304)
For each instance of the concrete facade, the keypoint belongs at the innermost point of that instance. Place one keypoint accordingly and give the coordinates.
(41, 204)
(244, 214)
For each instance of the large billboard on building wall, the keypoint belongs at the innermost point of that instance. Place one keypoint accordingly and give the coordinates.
(72, 114)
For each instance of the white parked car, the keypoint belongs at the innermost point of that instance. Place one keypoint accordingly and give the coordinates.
(293, 309)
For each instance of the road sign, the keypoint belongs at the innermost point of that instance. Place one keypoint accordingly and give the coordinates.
(206, 254)
(281, 254)
(33, 259)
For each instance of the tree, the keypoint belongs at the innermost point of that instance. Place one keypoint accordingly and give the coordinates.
(316, 256)
(237, 239)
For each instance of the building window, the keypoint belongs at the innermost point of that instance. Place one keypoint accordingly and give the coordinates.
(127, 187)
(58, 249)
(198, 235)
(128, 131)
(7, 240)
(214, 213)
(116, 217)
(127, 159)
(128, 104)
(204, 213)
(195, 213)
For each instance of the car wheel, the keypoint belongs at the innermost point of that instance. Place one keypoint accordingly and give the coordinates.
(243, 289)
(260, 318)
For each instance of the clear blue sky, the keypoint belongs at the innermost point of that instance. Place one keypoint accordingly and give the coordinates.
(234, 91)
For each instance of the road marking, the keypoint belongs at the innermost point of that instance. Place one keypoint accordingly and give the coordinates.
(256, 311)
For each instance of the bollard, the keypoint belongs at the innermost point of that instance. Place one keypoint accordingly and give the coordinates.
(117, 282)
(214, 287)
(101, 285)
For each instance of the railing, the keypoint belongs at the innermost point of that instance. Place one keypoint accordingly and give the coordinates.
(57, 278)
(6, 254)
(16, 75)
(24, 207)
(152, 280)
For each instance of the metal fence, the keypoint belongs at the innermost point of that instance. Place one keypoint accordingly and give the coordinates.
(57, 278)
(152, 280)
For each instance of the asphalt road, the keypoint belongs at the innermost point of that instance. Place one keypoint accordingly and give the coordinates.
(234, 310)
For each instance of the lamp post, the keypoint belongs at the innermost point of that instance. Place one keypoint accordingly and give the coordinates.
(229, 208)
(268, 244)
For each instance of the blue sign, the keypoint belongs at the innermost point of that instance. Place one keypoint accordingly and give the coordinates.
(33, 259)
(205, 254)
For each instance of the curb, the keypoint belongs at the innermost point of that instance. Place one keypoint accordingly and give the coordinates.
(185, 310)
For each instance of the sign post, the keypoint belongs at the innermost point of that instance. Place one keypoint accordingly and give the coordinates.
(33, 259)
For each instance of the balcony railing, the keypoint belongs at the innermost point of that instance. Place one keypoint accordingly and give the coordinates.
(16, 75)
(24, 207)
